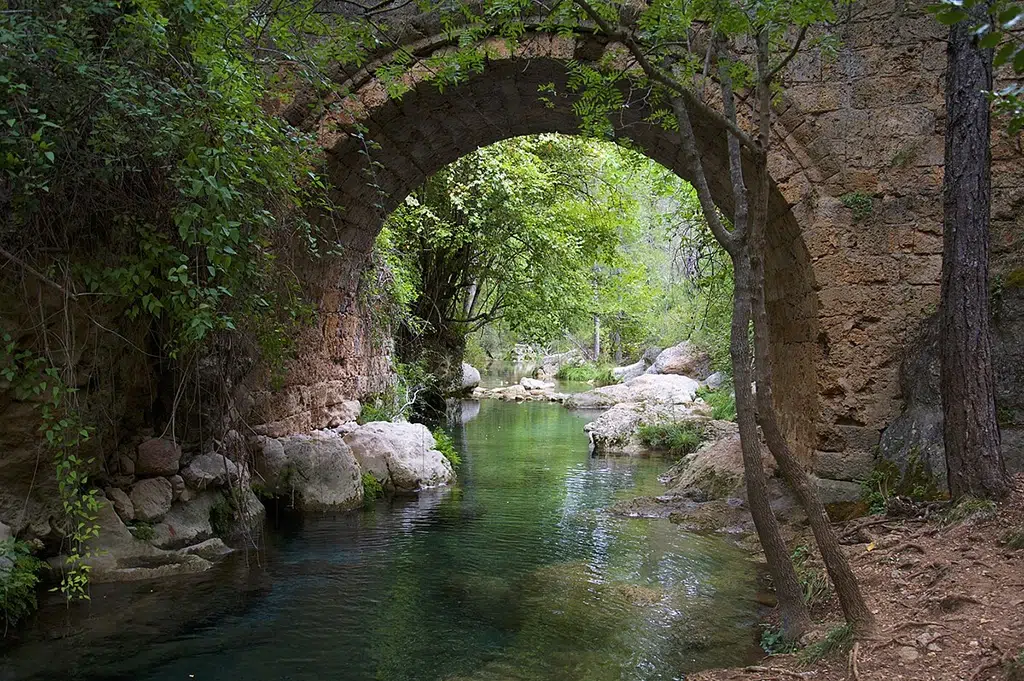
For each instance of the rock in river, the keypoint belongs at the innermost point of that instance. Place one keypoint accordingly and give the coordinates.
(317, 470)
(663, 389)
(400, 455)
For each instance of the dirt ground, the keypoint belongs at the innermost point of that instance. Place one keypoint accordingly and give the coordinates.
(948, 594)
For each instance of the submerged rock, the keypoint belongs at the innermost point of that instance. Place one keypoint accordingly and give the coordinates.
(314, 472)
(402, 456)
(684, 359)
(210, 470)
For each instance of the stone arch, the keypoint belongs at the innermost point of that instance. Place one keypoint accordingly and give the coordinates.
(379, 149)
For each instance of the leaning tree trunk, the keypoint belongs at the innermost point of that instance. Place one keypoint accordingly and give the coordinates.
(793, 610)
(795, 618)
(973, 458)
(851, 599)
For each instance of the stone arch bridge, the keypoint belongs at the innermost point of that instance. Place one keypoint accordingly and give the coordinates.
(846, 290)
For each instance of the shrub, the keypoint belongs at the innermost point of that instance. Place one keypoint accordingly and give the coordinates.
(1014, 667)
(860, 204)
(372, 489)
(675, 438)
(222, 515)
(1014, 539)
(141, 530)
(887, 481)
(444, 443)
(773, 641)
(722, 402)
(836, 642)
(18, 579)
(606, 377)
(814, 581)
(969, 509)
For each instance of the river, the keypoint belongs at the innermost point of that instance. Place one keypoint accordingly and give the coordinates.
(518, 572)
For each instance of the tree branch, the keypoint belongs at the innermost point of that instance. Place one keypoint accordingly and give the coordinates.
(788, 58)
(663, 78)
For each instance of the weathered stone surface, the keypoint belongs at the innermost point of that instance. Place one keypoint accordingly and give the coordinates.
(614, 432)
(715, 380)
(158, 456)
(683, 360)
(151, 498)
(629, 371)
(317, 470)
(535, 384)
(664, 389)
(122, 503)
(187, 522)
(177, 485)
(715, 471)
(210, 470)
(5, 532)
(401, 455)
(470, 377)
(211, 549)
(117, 556)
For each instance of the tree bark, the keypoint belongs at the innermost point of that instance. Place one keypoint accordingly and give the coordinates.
(973, 458)
(795, 617)
(597, 338)
(851, 599)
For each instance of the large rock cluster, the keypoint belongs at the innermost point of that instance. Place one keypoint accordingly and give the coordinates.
(323, 470)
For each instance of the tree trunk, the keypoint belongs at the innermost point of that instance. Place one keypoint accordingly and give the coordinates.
(851, 599)
(973, 457)
(795, 618)
(597, 338)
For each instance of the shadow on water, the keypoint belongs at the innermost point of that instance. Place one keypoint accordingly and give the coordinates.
(517, 573)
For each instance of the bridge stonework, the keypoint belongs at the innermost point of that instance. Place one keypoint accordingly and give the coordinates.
(855, 233)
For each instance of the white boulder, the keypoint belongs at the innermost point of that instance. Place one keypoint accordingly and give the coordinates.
(317, 470)
(470, 377)
(661, 389)
(684, 359)
(400, 455)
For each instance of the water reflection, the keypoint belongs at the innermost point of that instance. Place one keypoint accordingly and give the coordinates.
(518, 573)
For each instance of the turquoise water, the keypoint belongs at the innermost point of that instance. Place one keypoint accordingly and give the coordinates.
(516, 573)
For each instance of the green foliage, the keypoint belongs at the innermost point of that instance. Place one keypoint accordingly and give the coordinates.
(1014, 667)
(773, 641)
(586, 372)
(444, 443)
(860, 204)
(137, 142)
(999, 31)
(676, 438)
(142, 530)
(18, 580)
(887, 481)
(813, 580)
(721, 400)
(33, 378)
(223, 514)
(1013, 539)
(372, 489)
(398, 401)
(969, 509)
(838, 641)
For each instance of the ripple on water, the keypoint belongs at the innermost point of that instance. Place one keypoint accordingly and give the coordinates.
(517, 573)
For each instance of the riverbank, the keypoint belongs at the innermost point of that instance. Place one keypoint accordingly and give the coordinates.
(948, 592)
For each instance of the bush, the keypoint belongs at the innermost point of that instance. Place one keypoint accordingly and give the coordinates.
(773, 641)
(605, 377)
(887, 481)
(18, 580)
(676, 438)
(372, 489)
(141, 530)
(222, 515)
(813, 581)
(722, 402)
(837, 642)
(444, 443)
(1014, 539)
